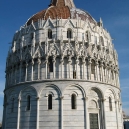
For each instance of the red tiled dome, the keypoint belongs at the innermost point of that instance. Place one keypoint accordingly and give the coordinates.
(61, 9)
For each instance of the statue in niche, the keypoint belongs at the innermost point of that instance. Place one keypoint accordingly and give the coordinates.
(52, 49)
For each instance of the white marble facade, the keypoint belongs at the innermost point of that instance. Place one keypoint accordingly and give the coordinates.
(76, 57)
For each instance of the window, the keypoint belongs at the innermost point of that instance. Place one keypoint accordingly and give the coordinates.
(50, 34)
(88, 36)
(28, 102)
(74, 74)
(50, 68)
(49, 101)
(73, 101)
(95, 40)
(12, 108)
(101, 41)
(110, 104)
(32, 36)
(93, 67)
(112, 75)
(69, 34)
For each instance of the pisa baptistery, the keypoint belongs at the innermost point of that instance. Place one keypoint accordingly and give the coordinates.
(62, 72)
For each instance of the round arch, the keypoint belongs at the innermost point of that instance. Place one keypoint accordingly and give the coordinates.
(28, 87)
(51, 85)
(98, 90)
(75, 85)
(113, 92)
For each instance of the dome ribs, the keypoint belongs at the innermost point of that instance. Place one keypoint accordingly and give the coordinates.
(61, 9)
(36, 17)
(58, 12)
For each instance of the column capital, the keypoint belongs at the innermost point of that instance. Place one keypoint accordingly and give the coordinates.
(77, 61)
(37, 97)
(85, 98)
(32, 62)
(26, 64)
(39, 61)
(61, 97)
(54, 59)
(61, 60)
(102, 99)
(69, 59)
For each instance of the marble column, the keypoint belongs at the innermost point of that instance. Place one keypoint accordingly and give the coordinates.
(77, 61)
(18, 115)
(116, 108)
(15, 70)
(107, 74)
(69, 69)
(61, 67)
(54, 71)
(101, 71)
(46, 70)
(32, 66)
(17, 67)
(86, 113)
(84, 62)
(20, 69)
(26, 65)
(89, 69)
(39, 63)
(96, 71)
(37, 123)
(61, 110)
(104, 106)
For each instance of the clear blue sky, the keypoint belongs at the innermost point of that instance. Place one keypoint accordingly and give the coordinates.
(115, 16)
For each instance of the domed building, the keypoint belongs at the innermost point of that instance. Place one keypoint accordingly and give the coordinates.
(62, 73)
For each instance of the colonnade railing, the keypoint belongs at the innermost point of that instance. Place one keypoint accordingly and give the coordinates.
(25, 71)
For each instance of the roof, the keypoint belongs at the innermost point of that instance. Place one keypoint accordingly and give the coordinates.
(61, 9)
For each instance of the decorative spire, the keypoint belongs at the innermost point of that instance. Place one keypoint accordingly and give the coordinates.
(60, 3)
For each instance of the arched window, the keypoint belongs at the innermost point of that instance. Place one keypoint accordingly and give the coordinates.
(74, 74)
(73, 101)
(28, 102)
(12, 108)
(99, 66)
(110, 104)
(112, 75)
(88, 36)
(101, 41)
(31, 36)
(69, 33)
(50, 34)
(50, 65)
(93, 67)
(49, 101)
